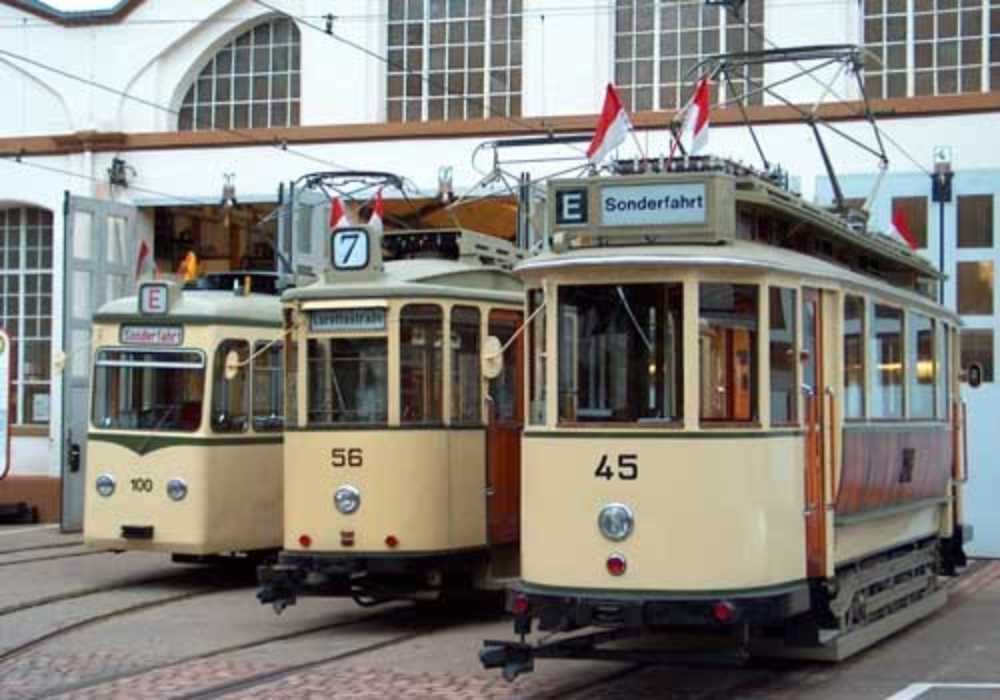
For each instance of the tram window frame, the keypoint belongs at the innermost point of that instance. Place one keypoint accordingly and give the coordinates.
(505, 389)
(779, 347)
(942, 342)
(642, 310)
(466, 375)
(880, 366)
(918, 405)
(223, 419)
(537, 332)
(106, 358)
(429, 376)
(356, 352)
(291, 371)
(729, 415)
(271, 382)
(855, 347)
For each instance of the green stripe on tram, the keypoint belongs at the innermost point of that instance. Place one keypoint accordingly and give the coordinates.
(144, 444)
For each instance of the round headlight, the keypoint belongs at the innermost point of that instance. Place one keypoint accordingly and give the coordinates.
(105, 485)
(177, 489)
(615, 521)
(347, 499)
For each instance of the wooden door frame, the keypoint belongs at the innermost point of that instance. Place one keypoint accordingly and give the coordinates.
(815, 445)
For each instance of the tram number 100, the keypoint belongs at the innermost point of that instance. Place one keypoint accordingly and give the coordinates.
(627, 468)
(142, 485)
(346, 457)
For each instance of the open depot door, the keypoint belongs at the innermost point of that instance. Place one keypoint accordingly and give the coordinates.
(99, 253)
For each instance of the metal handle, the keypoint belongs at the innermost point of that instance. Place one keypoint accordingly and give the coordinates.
(808, 390)
(74, 457)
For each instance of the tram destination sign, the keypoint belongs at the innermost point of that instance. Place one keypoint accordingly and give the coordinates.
(151, 335)
(653, 204)
(339, 320)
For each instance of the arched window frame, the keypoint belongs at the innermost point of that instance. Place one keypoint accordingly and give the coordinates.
(251, 81)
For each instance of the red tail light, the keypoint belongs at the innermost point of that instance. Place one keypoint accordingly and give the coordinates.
(520, 606)
(391, 541)
(723, 612)
(305, 541)
(616, 565)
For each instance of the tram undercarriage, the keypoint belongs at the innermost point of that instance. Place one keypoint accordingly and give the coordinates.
(827, 620)
(369, 580)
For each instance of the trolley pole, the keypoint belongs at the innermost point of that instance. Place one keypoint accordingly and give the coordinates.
(941, 193)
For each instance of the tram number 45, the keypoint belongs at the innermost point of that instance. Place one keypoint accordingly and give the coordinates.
(346, 457)
(627, 468)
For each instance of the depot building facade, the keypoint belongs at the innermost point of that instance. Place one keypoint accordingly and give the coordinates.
(127, 124)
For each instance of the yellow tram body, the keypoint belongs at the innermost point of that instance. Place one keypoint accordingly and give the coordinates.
(192, 456)
(391, 408)
(732, 426)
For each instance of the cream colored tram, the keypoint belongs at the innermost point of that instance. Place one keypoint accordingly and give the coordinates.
(743, 418)
(401, 457)
(184, 448)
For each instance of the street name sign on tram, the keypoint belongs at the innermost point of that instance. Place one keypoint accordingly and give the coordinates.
(354, 320)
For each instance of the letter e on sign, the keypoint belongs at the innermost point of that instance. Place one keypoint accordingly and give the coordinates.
(571, 206)
(154, 299)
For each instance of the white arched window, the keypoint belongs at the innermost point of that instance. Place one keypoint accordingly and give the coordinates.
(253, 81)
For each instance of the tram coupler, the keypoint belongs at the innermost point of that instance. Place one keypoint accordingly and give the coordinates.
(278, 585)
(514, 658)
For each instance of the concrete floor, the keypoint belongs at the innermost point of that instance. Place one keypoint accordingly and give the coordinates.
(137, 626)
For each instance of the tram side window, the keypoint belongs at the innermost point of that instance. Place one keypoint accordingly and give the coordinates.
(466, 379)
(727, 347)
(537, 355)
(268, 412)
(148, 390)
(887, 362)
(290, 375)
(783, 356)
(854, 357)
(943, 343)
(421, 370)
(920, 365)
(504, 390)
(230, 396)
(347, 381)
(620, 353)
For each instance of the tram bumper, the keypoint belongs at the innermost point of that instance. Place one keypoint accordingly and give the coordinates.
(557, 611)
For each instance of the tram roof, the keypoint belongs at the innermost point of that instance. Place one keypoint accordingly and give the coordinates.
(734, 255)
(418, 277)
(200, 307)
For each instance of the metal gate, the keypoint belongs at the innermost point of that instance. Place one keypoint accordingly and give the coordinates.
(99, 252)
(302, 232)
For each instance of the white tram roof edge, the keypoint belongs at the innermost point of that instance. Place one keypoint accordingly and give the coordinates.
(200, 307)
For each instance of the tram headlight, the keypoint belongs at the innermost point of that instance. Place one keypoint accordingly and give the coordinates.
(615, 521)
(347, 500)
(105, 485)
(177, 490)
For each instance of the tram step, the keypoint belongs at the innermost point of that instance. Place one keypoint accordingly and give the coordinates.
(845, 645)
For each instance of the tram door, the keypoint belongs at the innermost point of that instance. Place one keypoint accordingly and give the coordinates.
(99, 254)
(503, 434)
(812, 389)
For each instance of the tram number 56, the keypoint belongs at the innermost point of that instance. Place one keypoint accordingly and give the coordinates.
(346, 457)
(627, 468)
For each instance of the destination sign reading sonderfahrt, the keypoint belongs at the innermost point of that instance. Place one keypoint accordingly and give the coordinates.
(653, 205)
(358, 320)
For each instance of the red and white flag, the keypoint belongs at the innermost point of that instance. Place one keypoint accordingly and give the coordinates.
(144, 263)
(900, 230)
(612, 128)
(338, 215)
(695, 119)
(377, 218)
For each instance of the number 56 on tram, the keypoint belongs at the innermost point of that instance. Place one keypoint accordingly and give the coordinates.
(742, 420)
(184, 449)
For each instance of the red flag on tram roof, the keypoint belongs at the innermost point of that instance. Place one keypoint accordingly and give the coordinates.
(900, 229)
(144, 260)
(338, 215)
(612, 127)
(378, 211)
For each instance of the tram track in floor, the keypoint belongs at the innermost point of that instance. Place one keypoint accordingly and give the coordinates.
(50, 557)
(248, 682)
(50, 545)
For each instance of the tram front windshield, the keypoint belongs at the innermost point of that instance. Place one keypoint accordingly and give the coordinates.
(348, 381)
(149, 390)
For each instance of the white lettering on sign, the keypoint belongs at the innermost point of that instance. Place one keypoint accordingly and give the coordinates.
(338, 320)
(154, 299)
(653, 205)
(152, 335)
